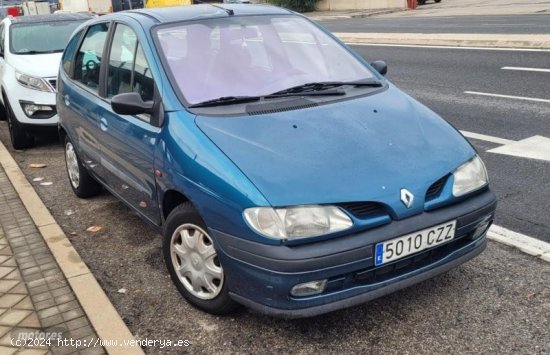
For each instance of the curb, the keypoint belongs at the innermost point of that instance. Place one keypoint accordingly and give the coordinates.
(102, 314)
(449, 39)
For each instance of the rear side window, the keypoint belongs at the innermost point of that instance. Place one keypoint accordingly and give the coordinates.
(89, 56)
(68, 55)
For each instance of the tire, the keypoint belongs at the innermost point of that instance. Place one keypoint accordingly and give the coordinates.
(82, 183)
(437, 1)
(201, 283)
(20, 138)
(421, 2)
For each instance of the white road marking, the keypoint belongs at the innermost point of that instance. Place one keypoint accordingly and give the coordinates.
(534, 99)
(487, 138)
(536, 147)
(526, 244)
(540, 70)
(448, 47)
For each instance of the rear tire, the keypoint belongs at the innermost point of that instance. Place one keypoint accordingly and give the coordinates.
(437, 1)
(193, 263)
(82, 183)
(20, 138)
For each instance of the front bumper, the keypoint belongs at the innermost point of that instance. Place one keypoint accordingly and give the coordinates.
(261, 276)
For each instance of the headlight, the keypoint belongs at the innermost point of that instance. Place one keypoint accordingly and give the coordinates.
(469, 177)
(32, 82)
(297, 222)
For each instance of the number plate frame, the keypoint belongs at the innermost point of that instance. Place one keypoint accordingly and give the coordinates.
(414, 242)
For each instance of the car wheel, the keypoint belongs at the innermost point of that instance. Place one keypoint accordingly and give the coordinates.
(193, 263)
(437, 1)
(421, 2)
(82, 183)
(20, 138)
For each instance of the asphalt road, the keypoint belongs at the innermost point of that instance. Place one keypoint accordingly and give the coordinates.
(497, 303)
(439, 78)
(517, 24)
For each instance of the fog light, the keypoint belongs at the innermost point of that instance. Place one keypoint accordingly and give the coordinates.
(309, 288)
(481, 229)
(31, 108)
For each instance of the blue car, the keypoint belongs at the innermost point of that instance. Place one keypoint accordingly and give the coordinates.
(283, 171)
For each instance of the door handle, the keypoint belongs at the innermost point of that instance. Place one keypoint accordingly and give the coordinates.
(103, 124)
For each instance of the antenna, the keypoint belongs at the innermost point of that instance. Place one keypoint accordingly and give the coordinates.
(228, 11)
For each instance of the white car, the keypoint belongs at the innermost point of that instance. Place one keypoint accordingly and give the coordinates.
(30, 53)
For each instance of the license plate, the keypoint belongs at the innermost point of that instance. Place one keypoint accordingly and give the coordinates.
(406, 245)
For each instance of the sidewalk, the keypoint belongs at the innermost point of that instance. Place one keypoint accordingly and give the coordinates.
(46, 291)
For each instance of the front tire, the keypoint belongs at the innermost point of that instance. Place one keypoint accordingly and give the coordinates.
(82, 183)
(20, 138)
(193, 263)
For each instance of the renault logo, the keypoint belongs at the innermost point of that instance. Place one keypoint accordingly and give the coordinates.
(407, 198)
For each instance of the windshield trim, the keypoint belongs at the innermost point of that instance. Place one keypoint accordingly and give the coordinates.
(26, 24)
(187, 105)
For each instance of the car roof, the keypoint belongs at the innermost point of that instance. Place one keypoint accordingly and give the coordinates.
(51, 18)
(204, 11)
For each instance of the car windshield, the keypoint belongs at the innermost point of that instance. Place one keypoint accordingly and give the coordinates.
(252, 56)
(41, 37)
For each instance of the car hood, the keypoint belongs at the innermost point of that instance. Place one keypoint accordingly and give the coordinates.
(364, 149)
(39, 65)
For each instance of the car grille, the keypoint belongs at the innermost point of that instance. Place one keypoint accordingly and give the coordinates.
(53, 83)
(435, 188)
(364, 209)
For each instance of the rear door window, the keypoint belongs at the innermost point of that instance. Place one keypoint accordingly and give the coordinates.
(89, 56)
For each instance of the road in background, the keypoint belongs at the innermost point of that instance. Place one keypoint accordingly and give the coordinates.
(494, 24)
(440, 77)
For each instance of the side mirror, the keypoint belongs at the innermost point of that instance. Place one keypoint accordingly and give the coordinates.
(380, 66)
(131, 104)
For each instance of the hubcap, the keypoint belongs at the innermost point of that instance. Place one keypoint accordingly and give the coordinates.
(196, 262)
(72, 165)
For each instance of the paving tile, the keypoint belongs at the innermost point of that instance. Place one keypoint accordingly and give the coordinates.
(14, 275)
(9, 300)
(72, 314)
(4, 330)
(51, 321)
(62, 291)
(20, 288)
(38, 290)
(64, 298)
(13, 316)
(32, 351)
(5, 250)
(92, 351)
(31, 321)
(50, 302)
(4, 350)
(5, 258)
(37, 297)
(48, 312)
(77, 323)
(68, 306)
(82, 332)
(6, 270)
(25, 303)
(6, 285)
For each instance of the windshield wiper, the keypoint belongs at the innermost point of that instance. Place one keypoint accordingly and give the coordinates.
(305, 93)
(320, 86)
(226, 100)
